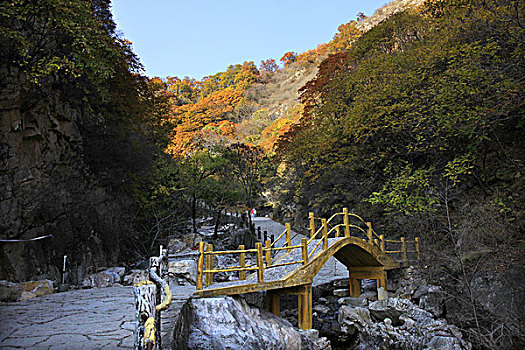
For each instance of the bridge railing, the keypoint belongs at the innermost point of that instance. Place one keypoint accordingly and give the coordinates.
(338, 225)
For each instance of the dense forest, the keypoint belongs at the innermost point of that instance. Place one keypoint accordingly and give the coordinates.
(415, 122)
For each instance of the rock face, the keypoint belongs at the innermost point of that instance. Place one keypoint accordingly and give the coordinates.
(228, 323)
(398, 324)
(47, 187)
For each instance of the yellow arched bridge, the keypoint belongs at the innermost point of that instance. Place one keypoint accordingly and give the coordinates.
(286, 268)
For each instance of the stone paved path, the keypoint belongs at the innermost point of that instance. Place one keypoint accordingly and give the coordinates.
(99, 318)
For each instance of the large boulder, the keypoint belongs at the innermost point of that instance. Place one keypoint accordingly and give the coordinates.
(106, 278)
(10, 291)
(229, 323)
(183, 269)
(398, 325)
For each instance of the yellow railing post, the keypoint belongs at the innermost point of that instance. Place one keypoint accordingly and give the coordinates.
(382, 239)
(325, 234)
(417, 248)
(337, 232)
(200, 264)
(242, 264)
(403, 249)
(346, 222)
(209, 265)
(260, 263)
(304, 250)
(312, 224)
(369, 233)
(376, 242)
(288, 235)
(268, 253)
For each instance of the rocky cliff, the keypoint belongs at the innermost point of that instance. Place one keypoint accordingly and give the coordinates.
(46, 187)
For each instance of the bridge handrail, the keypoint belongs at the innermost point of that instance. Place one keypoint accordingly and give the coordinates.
(266, 251)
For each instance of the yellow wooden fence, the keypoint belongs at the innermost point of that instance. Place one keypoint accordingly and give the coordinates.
(263, 253)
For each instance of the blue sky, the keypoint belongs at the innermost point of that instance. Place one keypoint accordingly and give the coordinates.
(197, 38)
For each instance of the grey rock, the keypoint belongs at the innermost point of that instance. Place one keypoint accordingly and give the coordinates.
(10, 291)
(105, 278)
(229, 323)
(422, 290)
(350, 301)
(341, 292)
(134, 276)
(186, 269)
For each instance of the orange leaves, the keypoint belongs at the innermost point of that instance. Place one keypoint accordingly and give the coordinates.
(346, 35)
(311, 56)
(289, 58)
(209, 115)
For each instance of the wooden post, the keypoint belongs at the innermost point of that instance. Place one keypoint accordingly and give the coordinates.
(337, 232)
(273, 303)
(355, 285)
(288, 235)
(265, 235)
(376, 242)
(209, 265)
(382, 244)
(403, 249)
(417, 248)
(260, 263)
(268, 253)
(312, 224)
(242, 264)
(369, 233)
(325, 234)
(258, 232)
(272, 238)
(305, 307)
(304, 250)
(346, 222)
(200, 264)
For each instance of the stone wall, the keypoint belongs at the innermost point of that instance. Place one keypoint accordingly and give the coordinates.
(47, 188)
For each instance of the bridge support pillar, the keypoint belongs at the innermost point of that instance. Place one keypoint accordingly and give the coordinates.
(356, 274)
(273, 302)
(355, 287)
(305, 307)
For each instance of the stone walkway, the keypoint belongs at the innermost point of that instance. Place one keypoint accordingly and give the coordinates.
(99, 318)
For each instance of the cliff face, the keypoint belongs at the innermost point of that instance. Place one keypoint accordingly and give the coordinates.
(47, 188)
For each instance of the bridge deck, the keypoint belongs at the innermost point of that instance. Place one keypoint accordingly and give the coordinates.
(277, 277)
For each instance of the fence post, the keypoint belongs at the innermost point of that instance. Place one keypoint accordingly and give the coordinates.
(404, 249)
(382, 239)
(346, 222)
(260, 264)
(417, 248)
(312, 224)
(242, 273)
(304, 250)
(209, 265)
(376, 242)
(337, 232)
(200, 265)
(369, 233)
(268, 253)
(265, 235)
(259, 232)
(325, 234)
(272, 238)
(288, 235)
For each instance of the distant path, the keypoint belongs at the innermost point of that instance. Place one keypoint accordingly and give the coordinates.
(332, 270)
(98, 318)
